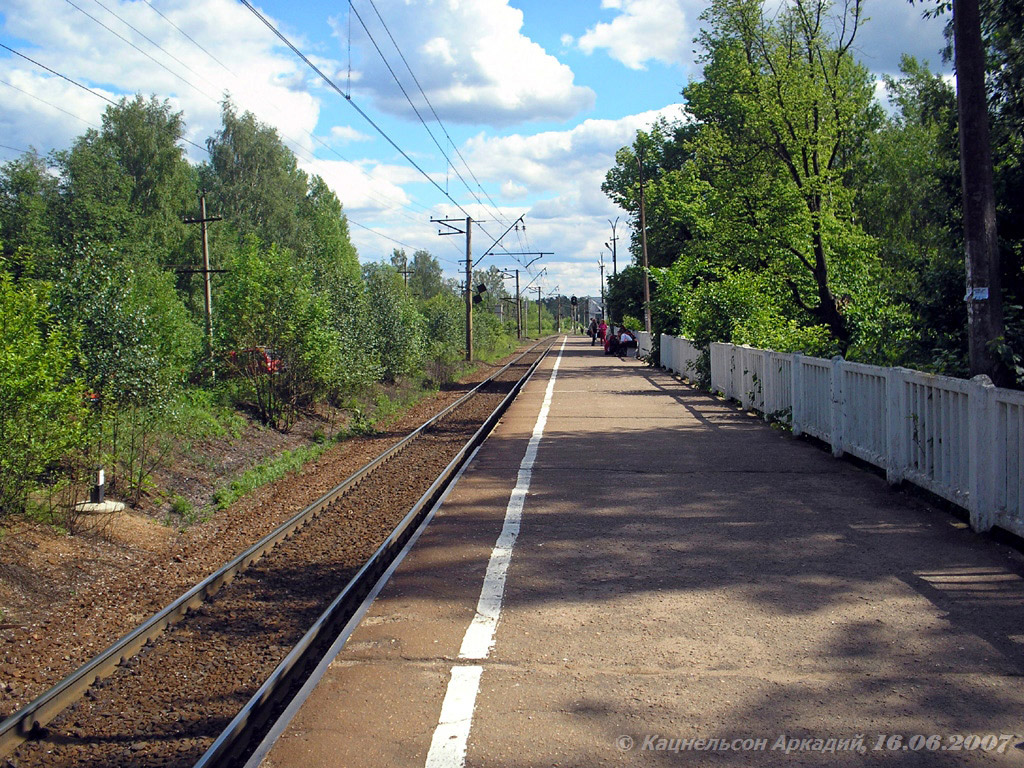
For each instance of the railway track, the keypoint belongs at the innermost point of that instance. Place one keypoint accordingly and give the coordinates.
(198, 682)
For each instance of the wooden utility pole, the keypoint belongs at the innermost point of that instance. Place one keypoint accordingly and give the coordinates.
(202, 221)
(984, 294)
(405, 271)
(643, 243)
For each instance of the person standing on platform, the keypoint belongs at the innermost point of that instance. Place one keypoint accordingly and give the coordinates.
(592, 331)
(602, 333)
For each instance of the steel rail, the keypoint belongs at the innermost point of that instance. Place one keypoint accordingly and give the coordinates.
(288, 676)
(27, 721)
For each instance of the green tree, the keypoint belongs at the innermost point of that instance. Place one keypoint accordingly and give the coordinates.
(272, 333)
(143, 137)
(254, 181)
(666, 150)
(28, 194)
(784, 111)
(395, 327)
(427, 278)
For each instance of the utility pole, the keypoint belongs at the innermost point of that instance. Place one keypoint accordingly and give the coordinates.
(468, 232)
(519, 309)
(405, 271)
(643, 243)
(614, 241)
(469, 290)
(539, 331)
(600, 264)
(202, 221)
(558, 308)
(519, 314)
(984, 291)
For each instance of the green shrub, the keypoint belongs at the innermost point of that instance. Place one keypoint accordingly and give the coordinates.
(41, 407)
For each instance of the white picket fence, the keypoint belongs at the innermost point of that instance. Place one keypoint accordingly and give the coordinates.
(679, 355)
(643, 344)
(962, 440)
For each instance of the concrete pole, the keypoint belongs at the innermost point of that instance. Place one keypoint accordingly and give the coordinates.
(539, 331)
(615, 268)
(519, 309)
(469, 289)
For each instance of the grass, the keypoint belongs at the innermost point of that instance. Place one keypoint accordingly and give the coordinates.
(266, 472)
(384, 407)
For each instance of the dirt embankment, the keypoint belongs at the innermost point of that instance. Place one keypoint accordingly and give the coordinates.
(63, 598)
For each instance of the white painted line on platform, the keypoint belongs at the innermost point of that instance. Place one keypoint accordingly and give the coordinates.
(321, 669)
(479, 637)
(448, 745)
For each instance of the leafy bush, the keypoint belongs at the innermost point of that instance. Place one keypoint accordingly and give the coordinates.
(395, 326)
(41, 405)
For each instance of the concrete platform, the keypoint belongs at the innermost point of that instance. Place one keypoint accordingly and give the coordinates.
(682, 572)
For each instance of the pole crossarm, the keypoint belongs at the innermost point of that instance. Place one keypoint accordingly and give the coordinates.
(452, 229)
(537, 254)
(539, 274)
(487, 251)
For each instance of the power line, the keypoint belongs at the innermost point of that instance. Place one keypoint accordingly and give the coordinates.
(54, 106)
(186, 34)
(296, 144)
(348, 98)
(432, 110)
(150, 40)
(83, 87)
(19, 151)
(409, 99)
(148, 56)
(58, 74)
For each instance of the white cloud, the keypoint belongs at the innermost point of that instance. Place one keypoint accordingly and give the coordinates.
(262, 78)
(563, 171)
(346, 134)
(512, 191)
(476, 66)
(661, 30)
(893, 29)
(559, 160)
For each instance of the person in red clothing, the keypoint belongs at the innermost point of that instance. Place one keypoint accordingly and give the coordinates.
(602, 333)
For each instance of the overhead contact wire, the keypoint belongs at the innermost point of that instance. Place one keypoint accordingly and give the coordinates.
(433, 111)
(347, 98)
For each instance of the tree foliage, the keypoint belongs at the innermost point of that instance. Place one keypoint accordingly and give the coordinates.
(41, 405)
(786, 208)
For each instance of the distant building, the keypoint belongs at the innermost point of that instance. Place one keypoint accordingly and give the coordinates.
(592, 308)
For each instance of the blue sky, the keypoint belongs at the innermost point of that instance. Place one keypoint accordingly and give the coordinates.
(534, 97)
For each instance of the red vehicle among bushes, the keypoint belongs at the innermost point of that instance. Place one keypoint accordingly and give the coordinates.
(256, 361)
